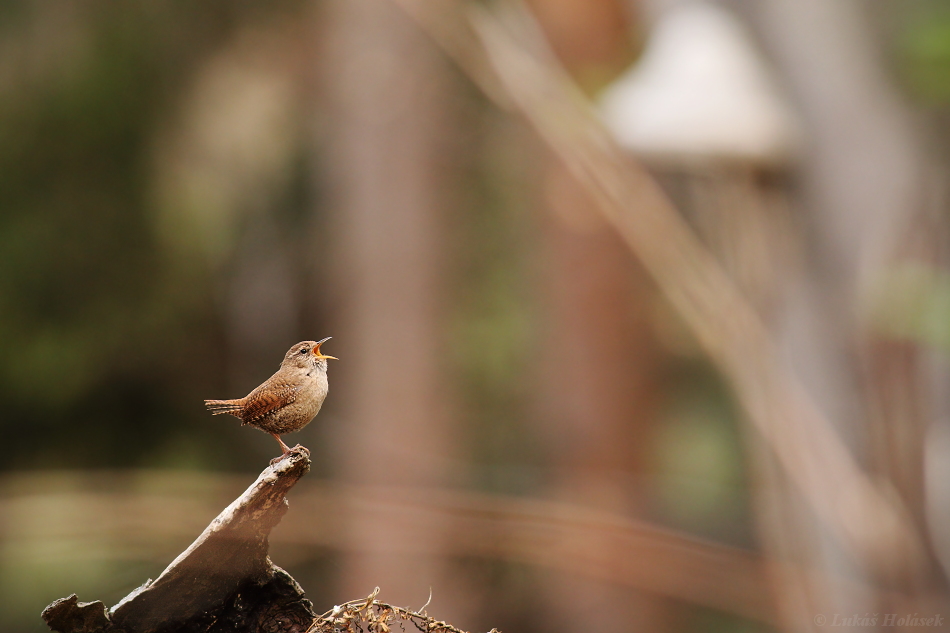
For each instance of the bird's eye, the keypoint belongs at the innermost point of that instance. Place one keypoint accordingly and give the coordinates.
(304, 350)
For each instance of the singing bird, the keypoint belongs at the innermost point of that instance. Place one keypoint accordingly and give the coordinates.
(288, 400)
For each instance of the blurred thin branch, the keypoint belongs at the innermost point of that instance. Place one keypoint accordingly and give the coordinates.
(551, 535)
(865, 515)
(569, 538)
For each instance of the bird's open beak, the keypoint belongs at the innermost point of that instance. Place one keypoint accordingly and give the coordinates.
(316, 349)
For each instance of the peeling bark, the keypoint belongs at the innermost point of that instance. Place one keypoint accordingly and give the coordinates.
(224, 581)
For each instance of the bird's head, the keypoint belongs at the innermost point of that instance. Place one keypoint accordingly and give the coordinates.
(307, 354)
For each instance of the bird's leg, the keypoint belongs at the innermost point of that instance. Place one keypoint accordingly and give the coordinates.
(283, 446)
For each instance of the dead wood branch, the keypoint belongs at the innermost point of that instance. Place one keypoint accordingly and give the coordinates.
(223, 581)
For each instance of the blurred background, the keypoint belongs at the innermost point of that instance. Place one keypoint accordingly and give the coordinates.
(687, 375)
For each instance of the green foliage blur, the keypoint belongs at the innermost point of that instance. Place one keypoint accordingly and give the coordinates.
(924, 47)
(107, 335)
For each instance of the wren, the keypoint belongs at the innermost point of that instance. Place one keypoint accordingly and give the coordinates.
(288, 400)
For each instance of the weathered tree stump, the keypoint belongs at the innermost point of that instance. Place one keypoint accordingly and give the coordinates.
(224, 581)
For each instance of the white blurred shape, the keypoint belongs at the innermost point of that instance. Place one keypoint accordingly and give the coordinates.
(700, 90)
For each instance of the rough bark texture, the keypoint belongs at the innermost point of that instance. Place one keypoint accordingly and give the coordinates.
(223, 582)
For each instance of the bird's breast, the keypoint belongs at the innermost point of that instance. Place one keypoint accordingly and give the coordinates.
(315, 390)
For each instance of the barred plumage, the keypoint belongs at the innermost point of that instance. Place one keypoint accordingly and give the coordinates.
(288, 400)
(217, 407)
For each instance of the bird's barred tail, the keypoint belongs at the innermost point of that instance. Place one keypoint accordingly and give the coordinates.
(217, 407)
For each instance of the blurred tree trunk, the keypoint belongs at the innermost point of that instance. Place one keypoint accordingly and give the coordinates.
(599, 380)
(388, 138)
(861, 191)
(599, 391)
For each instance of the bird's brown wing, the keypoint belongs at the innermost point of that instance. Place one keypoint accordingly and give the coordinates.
(266, 399)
